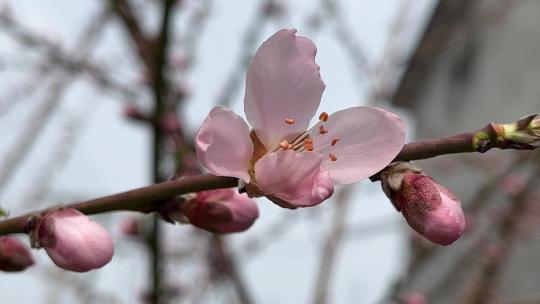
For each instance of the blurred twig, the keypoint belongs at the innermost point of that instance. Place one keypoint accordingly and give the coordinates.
(332, 245)
(249, 43)
(43, 112)
(506, 229)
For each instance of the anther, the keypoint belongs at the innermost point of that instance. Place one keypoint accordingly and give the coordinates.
(308, 141)
(284, 144)
(322, 129)
(323, 116)
(334, 141)
(332, 157)
(291, 146)
(289, 121)
(308, 146)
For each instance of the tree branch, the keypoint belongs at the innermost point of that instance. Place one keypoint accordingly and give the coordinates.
(145, 199)
(141, 199)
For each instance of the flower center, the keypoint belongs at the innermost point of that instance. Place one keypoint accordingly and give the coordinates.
(305, 141)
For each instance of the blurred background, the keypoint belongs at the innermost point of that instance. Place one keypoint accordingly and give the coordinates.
(77, 79)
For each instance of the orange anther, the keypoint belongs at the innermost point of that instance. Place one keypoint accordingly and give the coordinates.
(284, 144)
(323, 116)
(289, 121)
(308, 146)
(332, 157)
(308, 141)
(322, 129)
(291, 146)
(334, 141)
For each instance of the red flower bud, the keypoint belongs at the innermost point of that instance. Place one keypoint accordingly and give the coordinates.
(14, 256)
(73, 241)
(429, 208)
(223, 210)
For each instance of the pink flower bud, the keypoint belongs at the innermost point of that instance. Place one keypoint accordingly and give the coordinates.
(223, 210)
(14, 256)
(75, 242)
(130, 227)
(414, 298)
(430, 209)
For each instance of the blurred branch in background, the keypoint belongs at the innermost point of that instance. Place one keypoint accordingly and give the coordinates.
(45, 109)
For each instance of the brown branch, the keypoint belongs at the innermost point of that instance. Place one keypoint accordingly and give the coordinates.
(143, 45)
(141, 199)
(481, 140)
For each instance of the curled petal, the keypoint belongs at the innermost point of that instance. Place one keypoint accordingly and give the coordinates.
(283, 82)
(368, 139)
(296, 178)
(321, 189)
(223, 144)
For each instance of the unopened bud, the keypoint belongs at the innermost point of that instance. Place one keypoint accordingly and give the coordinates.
(223, 210)
(73, 241)
(14, 255)
(130, 226)
(414, 298)
(429, 208)
(525, 131)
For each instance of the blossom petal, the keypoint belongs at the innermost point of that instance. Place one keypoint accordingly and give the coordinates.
(296, 178)
(367, 138)
(223, 144)
(283, 82)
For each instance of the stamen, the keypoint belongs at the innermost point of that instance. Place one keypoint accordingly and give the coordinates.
(323, 116)
(291, 146)
(334, 141)
(284, 144)
(289, 121)
(308, 146)
(300, 138)
(322, 129)
(332, 157)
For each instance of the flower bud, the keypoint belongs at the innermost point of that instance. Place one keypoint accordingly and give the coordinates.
(73, 241)
(429, 208)
(414, 298)
(525, 131)
(14, 256)
(222, 210)
(130, 226)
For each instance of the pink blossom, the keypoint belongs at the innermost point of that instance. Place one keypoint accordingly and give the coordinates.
(75, 242)
(14, 255)
(278, 157)
(430, 209)
(223, 210)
